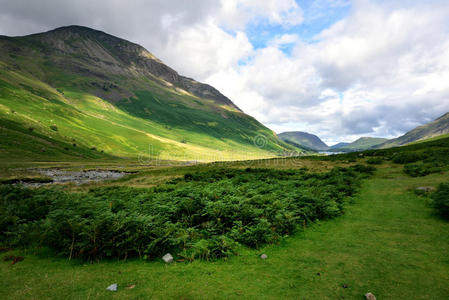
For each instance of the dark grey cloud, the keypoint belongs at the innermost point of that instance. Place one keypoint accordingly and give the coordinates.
(146, 22)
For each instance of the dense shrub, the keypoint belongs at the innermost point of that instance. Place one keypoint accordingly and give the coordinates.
(422, 169)
(416, 170)
(441, 199)
(203, 215)
(407, 157)
(374, 160)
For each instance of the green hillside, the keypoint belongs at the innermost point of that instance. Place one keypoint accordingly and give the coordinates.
(77, 92)
(338, 145)
(304, 139)
(433, 129)
(436, 138)
(361, 144)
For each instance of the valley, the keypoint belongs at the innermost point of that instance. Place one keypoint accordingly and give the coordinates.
(387, 237)
(121, 178)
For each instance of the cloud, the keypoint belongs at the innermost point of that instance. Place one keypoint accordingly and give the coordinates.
(209, 48)
(236, 14)
(380, 69)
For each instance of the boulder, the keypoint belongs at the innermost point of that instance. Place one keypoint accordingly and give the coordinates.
(112, 287)
(370, 296)
(168, 258)
(426, 188)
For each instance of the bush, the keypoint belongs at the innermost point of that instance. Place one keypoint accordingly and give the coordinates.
(204, 215)
(374, 160)
(441, 199)
(418, 170)
(407, 157)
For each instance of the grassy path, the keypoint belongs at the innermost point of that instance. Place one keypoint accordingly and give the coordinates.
(388, 242)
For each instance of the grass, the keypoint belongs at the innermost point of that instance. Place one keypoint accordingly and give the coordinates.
(439, 137)
(45, 111)
(389, 242)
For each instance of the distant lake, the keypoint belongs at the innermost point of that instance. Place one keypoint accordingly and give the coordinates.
(330, 153)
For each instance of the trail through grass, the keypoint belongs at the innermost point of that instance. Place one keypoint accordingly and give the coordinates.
(389, 243)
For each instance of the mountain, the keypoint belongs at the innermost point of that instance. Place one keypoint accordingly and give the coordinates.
(304, 139)
(361, 144)
(338, 146)
(76, 91)
(430, 130)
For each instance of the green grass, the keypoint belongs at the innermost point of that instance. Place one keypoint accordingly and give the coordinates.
(88, 122)
(389, 242)
(37, 96)
(439, 137)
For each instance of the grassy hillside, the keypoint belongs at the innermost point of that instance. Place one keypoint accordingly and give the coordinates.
(304, 139)
(361, 144)
(433, 129)
(439, 137)
(76, 90)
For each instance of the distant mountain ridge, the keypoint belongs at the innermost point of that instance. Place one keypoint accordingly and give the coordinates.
(338, 146)
(304, 139)
(434, 129)
(363, 143)
(438, 127)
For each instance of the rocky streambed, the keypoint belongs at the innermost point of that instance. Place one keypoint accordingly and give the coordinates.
(58, 176)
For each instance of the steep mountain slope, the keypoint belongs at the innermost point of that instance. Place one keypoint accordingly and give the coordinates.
(361, 144)
(304, 139)
(433, 129)
(88, 90)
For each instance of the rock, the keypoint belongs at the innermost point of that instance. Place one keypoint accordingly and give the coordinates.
(425, 188)
(112, 287)
(264, 256)
(13, 258)
(167, 258)
(17, 259)
(370, 296)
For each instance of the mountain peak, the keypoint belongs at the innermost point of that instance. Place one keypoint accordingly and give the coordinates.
(90, 52)
(77, 28)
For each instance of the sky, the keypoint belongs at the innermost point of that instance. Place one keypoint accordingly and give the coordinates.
(339, 69)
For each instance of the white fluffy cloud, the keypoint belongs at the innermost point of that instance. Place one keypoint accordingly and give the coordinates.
(380, 71)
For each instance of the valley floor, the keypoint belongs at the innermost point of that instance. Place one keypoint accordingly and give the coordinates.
(389, 243)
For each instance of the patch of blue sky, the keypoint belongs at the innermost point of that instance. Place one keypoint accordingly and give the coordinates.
(341, 97)
(318, 15)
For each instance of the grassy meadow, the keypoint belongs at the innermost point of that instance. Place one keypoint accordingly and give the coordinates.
(388, 239)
